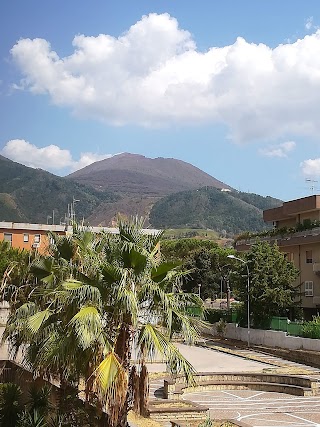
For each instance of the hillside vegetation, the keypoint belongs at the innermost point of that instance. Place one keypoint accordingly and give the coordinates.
(230, 212)
(30, 195)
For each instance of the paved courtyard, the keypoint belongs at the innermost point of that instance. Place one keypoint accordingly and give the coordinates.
(252, 407)
(259, 408)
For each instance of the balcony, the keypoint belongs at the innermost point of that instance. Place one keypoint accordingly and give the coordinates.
(283, 239)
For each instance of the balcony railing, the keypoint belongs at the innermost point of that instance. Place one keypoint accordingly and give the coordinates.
(280, 236)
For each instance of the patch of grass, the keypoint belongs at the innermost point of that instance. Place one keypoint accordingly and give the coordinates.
(156, 375)
(179, 404)
(139, 421)
(178, 233)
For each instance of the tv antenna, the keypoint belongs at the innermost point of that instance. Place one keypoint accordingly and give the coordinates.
(312, 183)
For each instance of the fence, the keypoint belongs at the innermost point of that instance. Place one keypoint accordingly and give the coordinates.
(276, 323)
(285, 325)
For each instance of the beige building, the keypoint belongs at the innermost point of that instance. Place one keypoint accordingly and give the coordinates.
(298, 236)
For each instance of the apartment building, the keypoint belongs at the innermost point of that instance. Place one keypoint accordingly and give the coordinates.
(30, 236)
(35, 236)
(297, 222)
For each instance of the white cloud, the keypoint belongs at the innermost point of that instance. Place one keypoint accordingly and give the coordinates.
(154, 75)
(311, 167)
(279, 150)
(309, 25)
(51, 157)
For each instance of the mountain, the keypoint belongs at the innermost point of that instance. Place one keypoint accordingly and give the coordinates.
(228, 212)
(133, 174)
(140, 181)
(31, 195)
(169, 193)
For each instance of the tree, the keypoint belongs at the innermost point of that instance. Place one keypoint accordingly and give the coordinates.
(180, 249)
(94, 298)
(272, 288)
(205, 262)
(13, 262)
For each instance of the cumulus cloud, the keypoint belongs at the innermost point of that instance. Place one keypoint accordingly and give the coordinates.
(279, 150)
(51, 157)
(311, 167)
(154, 75)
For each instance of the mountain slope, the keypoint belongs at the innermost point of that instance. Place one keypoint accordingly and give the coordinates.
(211, 208)
(133, 174)
(31, 195)
(146, 187)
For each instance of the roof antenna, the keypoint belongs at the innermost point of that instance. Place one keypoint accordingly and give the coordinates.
(312, 184)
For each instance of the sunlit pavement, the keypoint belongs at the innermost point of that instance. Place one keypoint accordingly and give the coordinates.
(252, 407)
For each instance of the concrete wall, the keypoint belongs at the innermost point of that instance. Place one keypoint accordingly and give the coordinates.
(271, 338)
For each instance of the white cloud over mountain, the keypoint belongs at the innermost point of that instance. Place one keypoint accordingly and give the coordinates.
(154, 75)
(51, 157)
(279, 150)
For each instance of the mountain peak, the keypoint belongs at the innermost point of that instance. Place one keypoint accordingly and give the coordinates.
(129, 173)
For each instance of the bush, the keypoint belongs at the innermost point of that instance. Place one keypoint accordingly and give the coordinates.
(213, 315)
(10, 404)
(312, 329)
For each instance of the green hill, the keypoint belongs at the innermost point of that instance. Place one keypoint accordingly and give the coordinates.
(211, 208)
(30, 195)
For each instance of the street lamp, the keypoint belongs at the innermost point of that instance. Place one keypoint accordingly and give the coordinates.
(224, 278)
(248, 291)
(73, 211)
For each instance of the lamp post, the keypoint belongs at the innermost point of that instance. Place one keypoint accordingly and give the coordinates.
(248, 292)
(199, 285)
(224, 279)
(73, 211)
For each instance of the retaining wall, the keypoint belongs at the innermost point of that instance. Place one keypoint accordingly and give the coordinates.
(270, 338)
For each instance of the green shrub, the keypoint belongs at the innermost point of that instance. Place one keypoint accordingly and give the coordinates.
(312, 329)
(10, 404)
(213, 315)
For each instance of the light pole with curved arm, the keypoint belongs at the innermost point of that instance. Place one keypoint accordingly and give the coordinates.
(248, 291)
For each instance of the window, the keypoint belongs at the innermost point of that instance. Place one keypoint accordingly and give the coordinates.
(309, 257)
(8, 238)
(26, 238)
(308, 288)
(289, 256)
(37, 238)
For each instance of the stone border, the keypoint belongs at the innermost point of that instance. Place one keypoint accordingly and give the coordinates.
(189, 411)
(182, 423)
(297, 385)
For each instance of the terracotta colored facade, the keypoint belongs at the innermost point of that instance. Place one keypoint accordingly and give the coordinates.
(302, 247)
(30, 236)
(35, 236)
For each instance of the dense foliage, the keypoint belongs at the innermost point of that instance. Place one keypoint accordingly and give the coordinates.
(90, 302)
(30, 195)
(207, 264)
(311, 329)
(272, 283)
(226, 212)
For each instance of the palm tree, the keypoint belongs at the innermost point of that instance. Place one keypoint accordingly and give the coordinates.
(95, 298)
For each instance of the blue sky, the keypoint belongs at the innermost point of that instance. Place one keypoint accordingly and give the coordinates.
(232, 87)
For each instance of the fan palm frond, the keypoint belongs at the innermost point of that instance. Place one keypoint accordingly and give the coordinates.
(152, 341)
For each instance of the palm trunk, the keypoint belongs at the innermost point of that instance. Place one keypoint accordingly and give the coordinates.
(123, 351)
(134, 387)
(144, 390)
